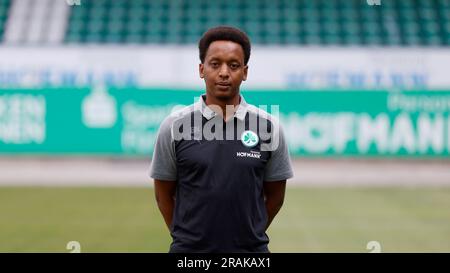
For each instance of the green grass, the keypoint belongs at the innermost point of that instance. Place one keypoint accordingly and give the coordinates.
(311, 220)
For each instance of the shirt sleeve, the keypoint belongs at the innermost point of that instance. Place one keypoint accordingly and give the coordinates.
(279, 166)
(163, 165)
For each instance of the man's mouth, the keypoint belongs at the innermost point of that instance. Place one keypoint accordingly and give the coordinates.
(223, 85)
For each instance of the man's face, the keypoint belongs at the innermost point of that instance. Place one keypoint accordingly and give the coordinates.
(223, 69)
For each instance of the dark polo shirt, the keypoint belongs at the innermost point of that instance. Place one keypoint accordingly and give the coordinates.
(219, 168)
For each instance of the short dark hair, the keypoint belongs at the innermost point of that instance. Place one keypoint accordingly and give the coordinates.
(224, 33)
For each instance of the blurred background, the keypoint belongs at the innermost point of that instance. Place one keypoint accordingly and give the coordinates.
(363, 89)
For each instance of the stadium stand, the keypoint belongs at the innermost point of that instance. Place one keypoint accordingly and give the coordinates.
(304, 22)
(335, 22)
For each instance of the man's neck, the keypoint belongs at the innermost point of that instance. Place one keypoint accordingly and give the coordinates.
(234, 101)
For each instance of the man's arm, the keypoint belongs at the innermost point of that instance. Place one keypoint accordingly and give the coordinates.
(165, 198)
(274, 198)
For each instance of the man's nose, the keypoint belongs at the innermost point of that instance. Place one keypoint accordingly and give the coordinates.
(224, 72)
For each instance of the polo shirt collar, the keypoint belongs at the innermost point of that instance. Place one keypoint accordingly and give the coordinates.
(208, 113)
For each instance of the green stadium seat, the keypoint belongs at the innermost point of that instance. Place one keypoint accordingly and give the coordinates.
(351, 39)
(94, 38)
(312, 39)
(77, 26)
(134, 38)
(332, 39)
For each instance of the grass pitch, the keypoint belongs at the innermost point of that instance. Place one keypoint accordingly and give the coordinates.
(35, 219)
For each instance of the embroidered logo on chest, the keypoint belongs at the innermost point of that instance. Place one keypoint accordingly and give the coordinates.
(249, 139)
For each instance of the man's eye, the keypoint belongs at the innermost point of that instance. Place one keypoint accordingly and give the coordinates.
(234, 66)
(214, 64)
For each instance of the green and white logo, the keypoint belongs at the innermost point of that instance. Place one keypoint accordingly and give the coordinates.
(249, 139)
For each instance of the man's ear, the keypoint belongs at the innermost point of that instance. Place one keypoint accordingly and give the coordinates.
(200, 70)
(245, 73)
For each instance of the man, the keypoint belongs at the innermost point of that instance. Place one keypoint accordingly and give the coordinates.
(219, 179)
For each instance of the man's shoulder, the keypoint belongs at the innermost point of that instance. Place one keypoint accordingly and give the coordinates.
(177, 114)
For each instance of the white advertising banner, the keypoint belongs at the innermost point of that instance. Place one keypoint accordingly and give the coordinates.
(271, 67)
